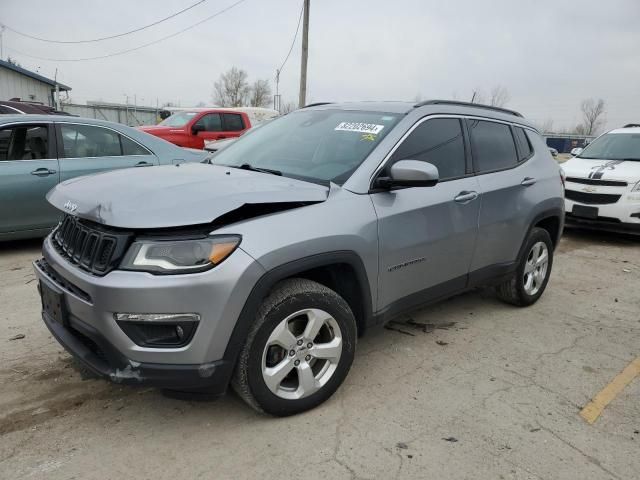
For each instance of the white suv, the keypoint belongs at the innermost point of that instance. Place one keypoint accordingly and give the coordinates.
(603, 182)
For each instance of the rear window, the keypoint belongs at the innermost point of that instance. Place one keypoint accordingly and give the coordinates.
(493, 146)
(524, 146)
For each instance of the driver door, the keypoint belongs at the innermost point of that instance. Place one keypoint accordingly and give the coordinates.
(427, 235)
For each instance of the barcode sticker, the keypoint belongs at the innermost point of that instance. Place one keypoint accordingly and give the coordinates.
(359, 127)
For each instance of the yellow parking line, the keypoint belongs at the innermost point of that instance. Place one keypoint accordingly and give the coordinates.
(595, 407)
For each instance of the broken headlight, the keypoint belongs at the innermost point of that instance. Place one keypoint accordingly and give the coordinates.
(179, 256)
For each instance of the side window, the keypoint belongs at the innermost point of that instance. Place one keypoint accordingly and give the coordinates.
(89, 141)
(524, 146)
(28, 142)
(129, 147)
(211, 122)
(493, 145)
(232, 122)
(439, 142)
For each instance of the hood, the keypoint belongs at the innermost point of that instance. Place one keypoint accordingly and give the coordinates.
(623, 170)
(160, 130)
(178, 195)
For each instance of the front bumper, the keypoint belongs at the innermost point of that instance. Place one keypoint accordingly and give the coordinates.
(622, 216)
(92, 335)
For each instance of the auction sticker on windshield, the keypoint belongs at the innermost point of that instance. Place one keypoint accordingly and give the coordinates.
(359, 127)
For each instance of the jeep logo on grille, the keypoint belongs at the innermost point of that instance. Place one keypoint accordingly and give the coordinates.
(72, 207)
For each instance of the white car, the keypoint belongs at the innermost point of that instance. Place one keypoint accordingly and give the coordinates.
(603, 182)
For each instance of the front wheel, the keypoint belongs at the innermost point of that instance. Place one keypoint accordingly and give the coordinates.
(527, 284)
(298, 351)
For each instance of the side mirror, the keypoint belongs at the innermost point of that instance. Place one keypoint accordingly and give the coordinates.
(410, 173)
(198, 127)
(576, 151)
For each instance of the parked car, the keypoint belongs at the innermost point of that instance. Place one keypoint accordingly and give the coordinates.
(39, 151)
(261, 269)
(12, 107)
(603, 182)
(553, 151)
(192, 128)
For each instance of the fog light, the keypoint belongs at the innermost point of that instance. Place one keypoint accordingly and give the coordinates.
(158, 330)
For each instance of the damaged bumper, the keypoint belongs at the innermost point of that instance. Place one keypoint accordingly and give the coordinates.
(95, 353)
(80, 310)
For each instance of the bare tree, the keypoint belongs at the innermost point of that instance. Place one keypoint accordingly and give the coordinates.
(288, 107)
(260, 94)
(477, 96)
(592, 112)
(232, 88)
(499, 96)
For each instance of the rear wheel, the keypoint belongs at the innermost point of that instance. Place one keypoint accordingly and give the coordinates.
(530, 279)
(298, 351)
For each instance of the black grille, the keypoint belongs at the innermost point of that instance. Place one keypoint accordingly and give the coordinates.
(591, 198)
(595, 181)
(92, 247)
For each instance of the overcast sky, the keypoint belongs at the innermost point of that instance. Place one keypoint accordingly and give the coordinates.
(549, 54)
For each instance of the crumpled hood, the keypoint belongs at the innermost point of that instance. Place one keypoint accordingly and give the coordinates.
(627, 170)
(173, 196)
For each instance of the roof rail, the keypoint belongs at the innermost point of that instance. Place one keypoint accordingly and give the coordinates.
(317, 104)
(629, 125)
(467, 104)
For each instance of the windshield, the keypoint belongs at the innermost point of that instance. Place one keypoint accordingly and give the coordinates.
(614, 146)
(321, 146)
(178, 119)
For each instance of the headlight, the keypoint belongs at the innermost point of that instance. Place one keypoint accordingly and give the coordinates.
(179, 256)
(636, 187)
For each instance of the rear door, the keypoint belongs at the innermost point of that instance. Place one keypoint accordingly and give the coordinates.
(28, 170)
(427, 234)
(86, 149)
(507, 182)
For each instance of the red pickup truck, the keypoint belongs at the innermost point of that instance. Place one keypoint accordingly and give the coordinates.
(191, 128)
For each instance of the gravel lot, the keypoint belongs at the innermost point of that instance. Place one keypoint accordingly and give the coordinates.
(484, 391)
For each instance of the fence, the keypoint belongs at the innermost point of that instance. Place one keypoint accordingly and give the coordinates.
(114, 112)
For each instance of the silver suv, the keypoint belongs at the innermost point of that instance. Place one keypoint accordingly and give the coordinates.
(261, 268)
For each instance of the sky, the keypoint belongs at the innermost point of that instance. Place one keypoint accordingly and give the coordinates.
(548, 54)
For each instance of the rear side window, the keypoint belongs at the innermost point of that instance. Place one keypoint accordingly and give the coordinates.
(524, 146)
(439, 142)
(82, 141)
(493, 145)
(232, 122)
(129, 147)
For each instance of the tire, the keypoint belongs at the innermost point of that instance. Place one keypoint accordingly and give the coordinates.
(296, 311)
(525, 287)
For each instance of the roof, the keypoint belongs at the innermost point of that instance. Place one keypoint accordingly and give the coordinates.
(35, 76)
(434, 106)
(626, 130)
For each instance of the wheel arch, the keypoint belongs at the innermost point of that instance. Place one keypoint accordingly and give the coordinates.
(343, 271)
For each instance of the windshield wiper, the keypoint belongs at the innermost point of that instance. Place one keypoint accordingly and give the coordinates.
(631, 159)
(247, 166)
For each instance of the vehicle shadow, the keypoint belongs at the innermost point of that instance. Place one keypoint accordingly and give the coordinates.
(12, 247)
(574, 238)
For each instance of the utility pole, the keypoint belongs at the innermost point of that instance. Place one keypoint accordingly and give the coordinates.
(305, 54)
(1, 42)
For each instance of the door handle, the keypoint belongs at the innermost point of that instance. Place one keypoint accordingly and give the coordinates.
(144, 164)
(528, 181)
(43, 172)
(466, 196)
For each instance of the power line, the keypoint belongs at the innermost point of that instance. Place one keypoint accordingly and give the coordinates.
(121, 52)
(295, 36)
(33, 37)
